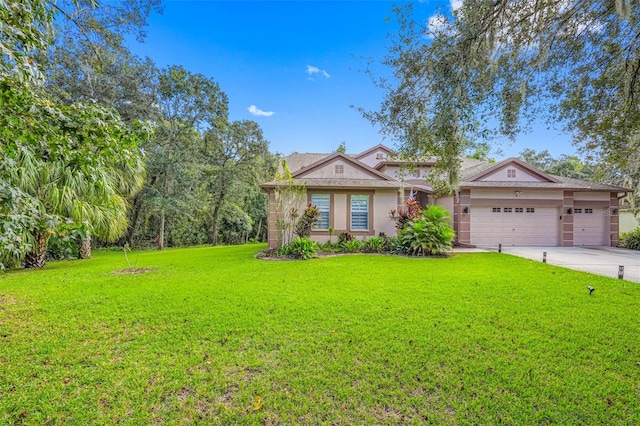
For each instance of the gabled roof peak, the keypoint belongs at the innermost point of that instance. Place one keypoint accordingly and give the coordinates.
(347, 158)
(513, 161)
(373, 149)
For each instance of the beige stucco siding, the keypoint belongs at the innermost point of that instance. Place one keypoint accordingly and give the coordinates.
(404, 174)
(383, 203)
(340, 212)
(374, 157)
(591, 196)
(511, 194)
(446, 203)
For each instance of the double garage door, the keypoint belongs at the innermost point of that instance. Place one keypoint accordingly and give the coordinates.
(534, 226)
(515, 226)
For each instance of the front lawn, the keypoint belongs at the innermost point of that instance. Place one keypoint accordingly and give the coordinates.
(212, 335)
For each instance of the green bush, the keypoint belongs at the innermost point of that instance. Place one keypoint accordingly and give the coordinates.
(329, 247)
(390, 243)
(352, 246)
(630, 240)
(284, 250)
(304, 224)
(373, 245)
(429, 234)
(303, 248)
(343, 237)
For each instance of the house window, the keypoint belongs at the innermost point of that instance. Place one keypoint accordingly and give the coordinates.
(508, 210)
(359, 212)
(519, 209)
(588, 210)
(496, 209)
(323, 203)
(339, 169)
(577, 210)
(531, 210)
(511, 173)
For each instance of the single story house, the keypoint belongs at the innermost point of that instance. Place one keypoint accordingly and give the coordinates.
(508, 202)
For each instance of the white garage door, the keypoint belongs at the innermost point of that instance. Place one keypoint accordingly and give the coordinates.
(589, 227)
(514, 226)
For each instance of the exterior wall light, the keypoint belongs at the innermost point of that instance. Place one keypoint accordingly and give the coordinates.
(465, 210)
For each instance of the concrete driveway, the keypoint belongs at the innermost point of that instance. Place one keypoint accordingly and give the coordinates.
(597, 260)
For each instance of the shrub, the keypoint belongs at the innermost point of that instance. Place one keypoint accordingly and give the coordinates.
(284, 250)
(373, 245)
(429, 234)
(303, 248)
(343, 237)
(329, 247)
(391, 243)
(305, 222)
(630, 240)
(352, 246)
(412, 211)
(63, 243)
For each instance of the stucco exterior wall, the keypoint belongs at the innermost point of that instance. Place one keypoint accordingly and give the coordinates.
(446, 203)
(591, 196)
(398, 173)
(384, 202)
(340, 212)
(526, 194)
(374, 157)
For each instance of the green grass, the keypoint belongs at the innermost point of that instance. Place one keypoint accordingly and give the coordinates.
(364, 339)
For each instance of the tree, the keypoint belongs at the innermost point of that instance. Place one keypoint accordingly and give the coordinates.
(189, 104)
(62, 163)
(566, 165)
(236, 156)
(70, 162)
(493, 65)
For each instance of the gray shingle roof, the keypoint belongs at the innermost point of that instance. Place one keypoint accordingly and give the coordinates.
(469, 168)
(350, 183)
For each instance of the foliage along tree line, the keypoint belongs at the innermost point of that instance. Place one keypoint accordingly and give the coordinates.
(490, 67)
(97, 142)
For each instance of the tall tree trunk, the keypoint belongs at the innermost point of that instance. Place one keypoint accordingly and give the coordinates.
(214, 232)
(259, 231)
(37, 258)
(161, 236)
(84, 247)
(216, 213)
(136, 208)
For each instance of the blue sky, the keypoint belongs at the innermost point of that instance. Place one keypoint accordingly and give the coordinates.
(296, 67)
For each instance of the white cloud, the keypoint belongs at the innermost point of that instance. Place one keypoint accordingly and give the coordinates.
(315, 70)
(437, 24)
(254, 110)
(455, 4)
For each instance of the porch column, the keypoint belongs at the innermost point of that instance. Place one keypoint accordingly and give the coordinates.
(614, 220)
(566, 239)
(272, 221)
(463, 217)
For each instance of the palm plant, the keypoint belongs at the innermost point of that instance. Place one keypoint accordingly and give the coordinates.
(428, 234)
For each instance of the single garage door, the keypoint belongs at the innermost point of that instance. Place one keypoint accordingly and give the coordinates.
(514, 226)
(589, 227)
